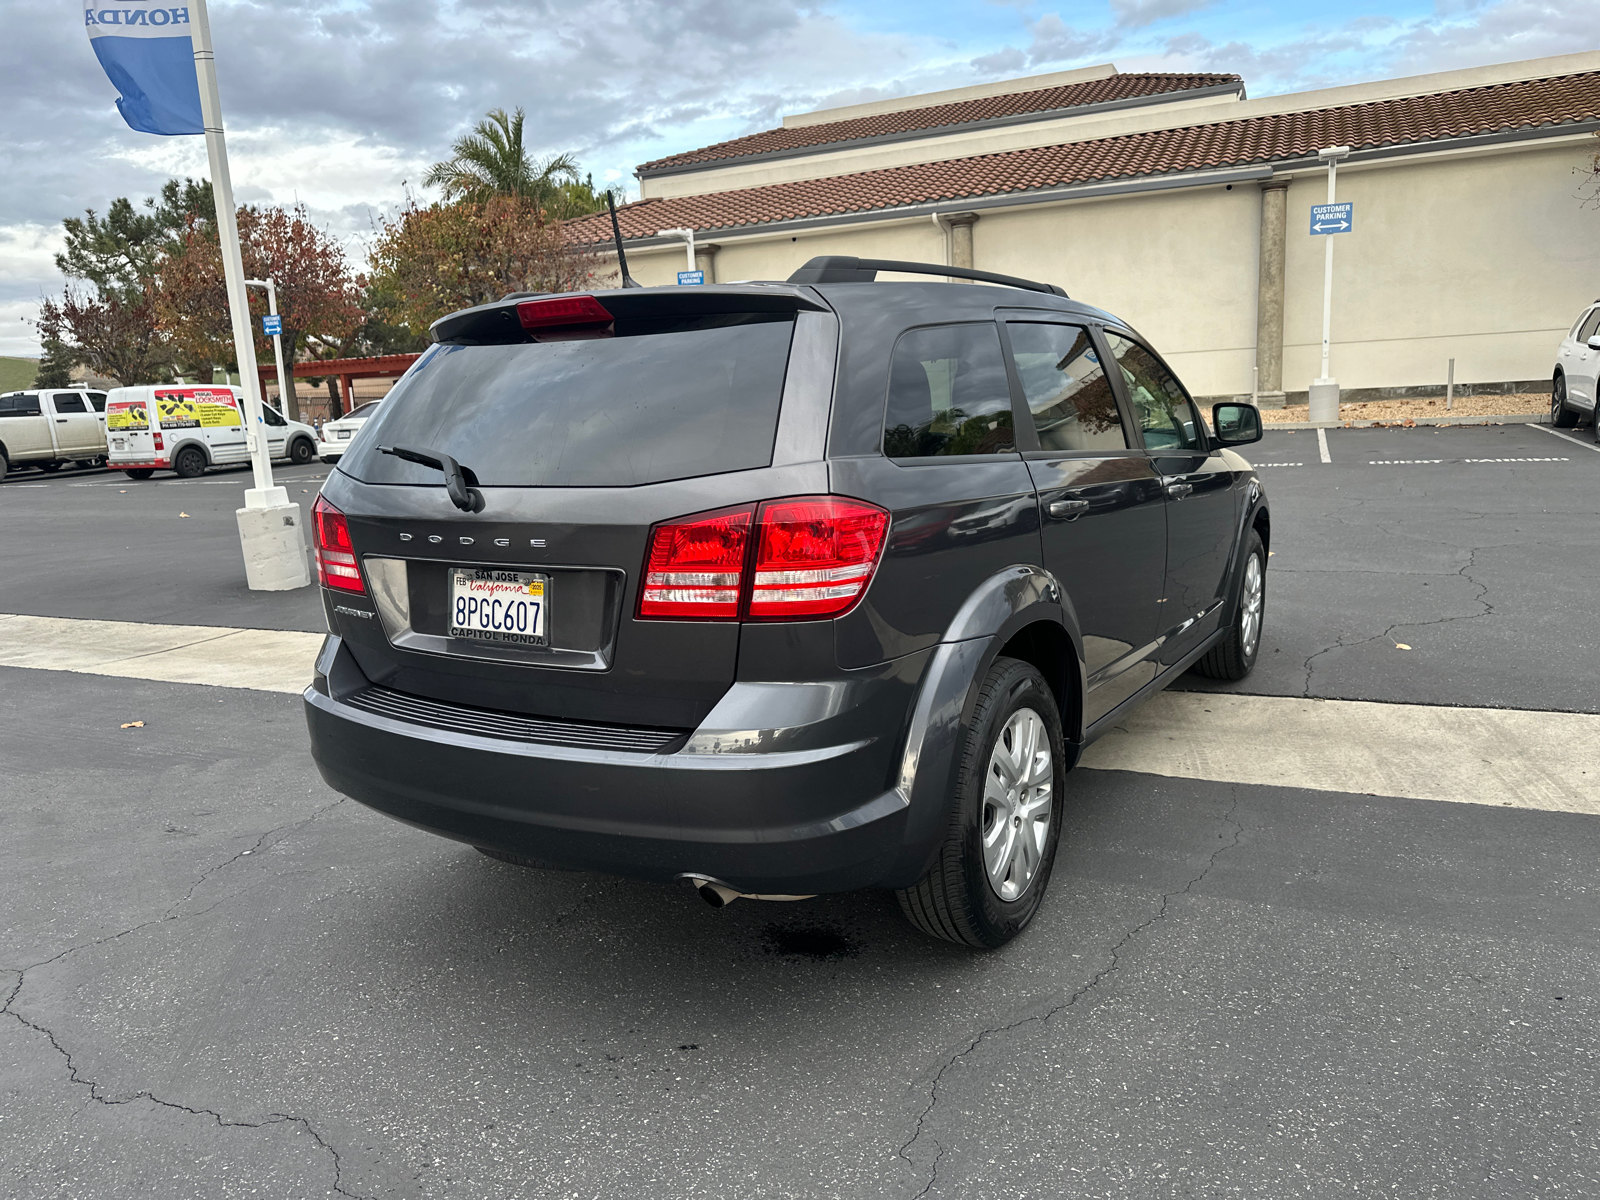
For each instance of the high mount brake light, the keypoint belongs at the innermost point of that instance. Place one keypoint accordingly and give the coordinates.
(695, 567)
(563, 310)
(813, 557)
(336, 557)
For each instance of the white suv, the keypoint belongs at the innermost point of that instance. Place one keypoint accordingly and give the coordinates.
(1577, 376)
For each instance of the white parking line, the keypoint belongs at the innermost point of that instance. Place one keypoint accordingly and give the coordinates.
(1280, 464)
(1467, 755)
(1412, 462)
(1566, 438)
(1322, 445)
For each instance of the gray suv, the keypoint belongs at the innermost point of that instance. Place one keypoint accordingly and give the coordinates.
(777, 588)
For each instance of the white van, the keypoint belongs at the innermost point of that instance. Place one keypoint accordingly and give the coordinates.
(49, 427)
(190, 427)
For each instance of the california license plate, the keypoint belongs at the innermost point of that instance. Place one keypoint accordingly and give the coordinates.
(500, 606)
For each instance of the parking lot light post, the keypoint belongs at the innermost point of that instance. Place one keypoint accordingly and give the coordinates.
(271, 529)
(277, 344)
(1323, 398)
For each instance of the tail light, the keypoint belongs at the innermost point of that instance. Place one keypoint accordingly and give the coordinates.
(695, 567)
(815, 556)
(336, 557)
(160, 441)
(810, 556)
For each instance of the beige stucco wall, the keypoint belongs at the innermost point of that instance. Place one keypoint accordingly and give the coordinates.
(1486, 257)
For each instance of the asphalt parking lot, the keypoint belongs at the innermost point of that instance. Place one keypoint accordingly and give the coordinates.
(221, 979)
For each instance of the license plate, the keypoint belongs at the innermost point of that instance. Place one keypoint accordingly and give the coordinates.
(500, 606)
(118, 443)
(342, 434)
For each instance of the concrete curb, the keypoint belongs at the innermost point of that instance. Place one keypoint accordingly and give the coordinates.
(1502, 419)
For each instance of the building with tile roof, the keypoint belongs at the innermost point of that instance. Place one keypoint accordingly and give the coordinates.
(1182, 205)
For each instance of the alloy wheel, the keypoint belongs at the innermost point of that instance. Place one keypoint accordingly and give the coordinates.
(1250, 605)
(1017, 803)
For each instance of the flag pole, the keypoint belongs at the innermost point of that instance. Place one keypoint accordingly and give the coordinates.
(270, 528)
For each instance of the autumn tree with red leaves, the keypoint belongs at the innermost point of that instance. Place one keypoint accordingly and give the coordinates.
(319, 299)
(433, 260)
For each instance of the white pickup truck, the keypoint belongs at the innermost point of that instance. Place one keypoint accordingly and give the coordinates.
(49, 427)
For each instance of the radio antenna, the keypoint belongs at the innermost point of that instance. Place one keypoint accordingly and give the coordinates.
(616, 232)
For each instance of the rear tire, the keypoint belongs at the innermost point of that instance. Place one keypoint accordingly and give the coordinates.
(139, 472)
(1234, 656)
(1561, 416)
(1005, 820)
(301, 452)
(190, 462)
(519, 860)
(5, 465)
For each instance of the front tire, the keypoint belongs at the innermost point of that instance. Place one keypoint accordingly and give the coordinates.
(1234, 656)
(190, 463)
(1005, 821)
(1561, 416)
(301, 452)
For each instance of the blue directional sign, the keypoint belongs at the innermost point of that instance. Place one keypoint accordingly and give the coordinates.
(271, 325)
(691, 277)
(1333, 218)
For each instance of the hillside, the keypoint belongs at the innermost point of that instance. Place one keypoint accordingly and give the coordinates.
(17, 373)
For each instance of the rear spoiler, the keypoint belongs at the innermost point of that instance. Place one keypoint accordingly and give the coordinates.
(498, 323)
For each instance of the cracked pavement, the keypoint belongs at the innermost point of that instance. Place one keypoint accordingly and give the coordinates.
(220, 980)
(1485, 569)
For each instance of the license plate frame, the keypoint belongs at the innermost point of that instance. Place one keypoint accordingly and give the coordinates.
(472, 593)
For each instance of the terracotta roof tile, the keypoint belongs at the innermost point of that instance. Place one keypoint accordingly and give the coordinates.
(1072, 95)
(1250, 141)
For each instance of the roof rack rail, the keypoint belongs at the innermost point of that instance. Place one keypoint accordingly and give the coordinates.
(840, 268)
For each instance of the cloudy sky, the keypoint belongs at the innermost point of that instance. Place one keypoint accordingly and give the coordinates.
(343, 104)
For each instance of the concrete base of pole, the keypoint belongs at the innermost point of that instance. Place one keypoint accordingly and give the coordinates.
(274, 544)
(1270, 399)
(1324, 400)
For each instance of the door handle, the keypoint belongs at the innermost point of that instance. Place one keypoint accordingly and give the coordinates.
(1067, 510)
(1177, 489)
(61, 420)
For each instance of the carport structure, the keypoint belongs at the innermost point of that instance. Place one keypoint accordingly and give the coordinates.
(348, 370)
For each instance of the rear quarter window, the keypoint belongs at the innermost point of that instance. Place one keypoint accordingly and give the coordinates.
(663, 399)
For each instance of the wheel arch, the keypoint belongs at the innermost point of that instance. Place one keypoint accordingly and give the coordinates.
(180, 447)
(1021, 611)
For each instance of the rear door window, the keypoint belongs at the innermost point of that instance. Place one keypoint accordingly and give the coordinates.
(948, 394)
(1066, 387)
(666, 398)
(69, 402)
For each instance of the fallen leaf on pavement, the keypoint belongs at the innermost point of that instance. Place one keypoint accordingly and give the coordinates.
(183, 514)
(133, 725)
(1401, 646)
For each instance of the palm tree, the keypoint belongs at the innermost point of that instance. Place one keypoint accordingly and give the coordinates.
(492, 161)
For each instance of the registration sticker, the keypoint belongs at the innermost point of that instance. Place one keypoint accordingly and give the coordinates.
(500, 606)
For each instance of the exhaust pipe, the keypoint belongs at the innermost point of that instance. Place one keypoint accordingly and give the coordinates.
(719, 894)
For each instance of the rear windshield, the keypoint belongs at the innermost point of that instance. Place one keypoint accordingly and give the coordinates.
(666, 398)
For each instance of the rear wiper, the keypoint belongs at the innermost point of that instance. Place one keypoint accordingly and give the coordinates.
(459, 481)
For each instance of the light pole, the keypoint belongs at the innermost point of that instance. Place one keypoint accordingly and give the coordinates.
(688, 238)
(1323, 398)
(277, 345)
(271, 532)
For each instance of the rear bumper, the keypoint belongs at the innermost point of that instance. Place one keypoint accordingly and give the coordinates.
(817, 818)
(331, 451)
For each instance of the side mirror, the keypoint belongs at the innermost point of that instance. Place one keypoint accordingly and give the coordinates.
(1594, 342)
(1236, 424)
